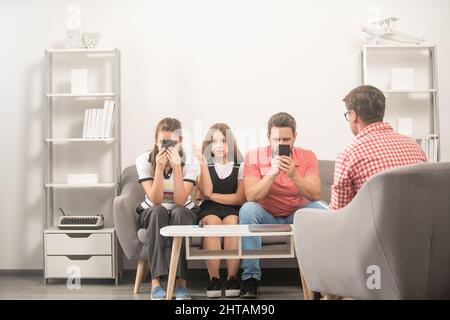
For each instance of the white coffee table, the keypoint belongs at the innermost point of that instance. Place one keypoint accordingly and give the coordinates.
(178, 232)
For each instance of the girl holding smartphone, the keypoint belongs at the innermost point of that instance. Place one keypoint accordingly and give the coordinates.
(167, 175)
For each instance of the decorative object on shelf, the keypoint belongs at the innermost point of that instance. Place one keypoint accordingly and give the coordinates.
(78, 81)
(402, 79)
(384, 29)
(82, 178)
(73, 27)
(91, 39)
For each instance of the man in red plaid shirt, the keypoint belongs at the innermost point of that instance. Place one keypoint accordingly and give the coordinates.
(377, 146)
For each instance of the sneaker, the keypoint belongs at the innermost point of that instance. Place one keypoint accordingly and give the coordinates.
(214, 290)
(232, 288)
(158, 293)
(182, 293)
(250, 288)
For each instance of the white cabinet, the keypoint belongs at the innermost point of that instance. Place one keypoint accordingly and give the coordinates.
(407, 76)
(89, 254)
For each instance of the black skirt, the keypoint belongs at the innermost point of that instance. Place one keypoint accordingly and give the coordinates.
(219, 210)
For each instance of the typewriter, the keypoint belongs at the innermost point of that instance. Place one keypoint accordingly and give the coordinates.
(80, 222)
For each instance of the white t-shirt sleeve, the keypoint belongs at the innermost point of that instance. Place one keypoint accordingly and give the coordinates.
(144, 168)
(191, 169)
(241, 172)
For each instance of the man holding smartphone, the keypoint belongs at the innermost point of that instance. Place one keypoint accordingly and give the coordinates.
(278, 180)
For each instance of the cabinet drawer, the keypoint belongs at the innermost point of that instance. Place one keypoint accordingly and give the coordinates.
(78, 243)
(90, 266)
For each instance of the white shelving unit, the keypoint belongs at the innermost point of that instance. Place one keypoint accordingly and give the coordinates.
(428, 140)
(83, 249)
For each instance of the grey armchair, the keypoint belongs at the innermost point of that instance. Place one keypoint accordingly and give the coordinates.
(391, 242)
(125, 222)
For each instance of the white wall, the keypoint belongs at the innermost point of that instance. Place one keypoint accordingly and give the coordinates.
(202, 61)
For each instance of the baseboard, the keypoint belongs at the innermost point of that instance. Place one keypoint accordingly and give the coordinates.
(21, 272)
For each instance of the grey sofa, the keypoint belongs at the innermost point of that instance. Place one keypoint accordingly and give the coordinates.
(125, 221)
(395, 231)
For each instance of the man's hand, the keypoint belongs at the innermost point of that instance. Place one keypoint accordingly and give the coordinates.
(288, 165)
(274, 166)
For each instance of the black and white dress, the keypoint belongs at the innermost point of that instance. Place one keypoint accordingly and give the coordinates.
(225, 178)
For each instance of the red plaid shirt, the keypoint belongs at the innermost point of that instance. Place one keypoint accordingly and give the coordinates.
(377, 148)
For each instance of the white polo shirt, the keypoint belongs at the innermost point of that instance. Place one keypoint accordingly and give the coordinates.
(191, 171)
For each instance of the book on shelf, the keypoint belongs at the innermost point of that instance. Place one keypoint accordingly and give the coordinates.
(95, 125)
(436, 144)
(430, 147)
(432, 151)
(104, 113)
(109, 120)
(98, 123)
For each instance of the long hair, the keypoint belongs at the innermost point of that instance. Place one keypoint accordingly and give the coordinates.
(233, 151)
(170, 125)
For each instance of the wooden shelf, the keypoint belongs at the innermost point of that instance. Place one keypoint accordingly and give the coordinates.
(67, 140)
(78, 186)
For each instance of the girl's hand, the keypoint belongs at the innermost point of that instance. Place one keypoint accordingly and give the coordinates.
(197, 152)
(200, 196)
(161, 158)
(174, 157)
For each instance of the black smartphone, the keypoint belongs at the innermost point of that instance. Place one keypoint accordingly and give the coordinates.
(166, 143)
(284, 150)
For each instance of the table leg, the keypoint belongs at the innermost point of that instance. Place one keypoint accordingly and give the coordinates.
(176, 246)
(307, 292)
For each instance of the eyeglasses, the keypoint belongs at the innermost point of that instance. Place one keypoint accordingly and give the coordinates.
(347, 115)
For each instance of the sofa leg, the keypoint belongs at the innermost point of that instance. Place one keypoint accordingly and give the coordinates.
(141, 271)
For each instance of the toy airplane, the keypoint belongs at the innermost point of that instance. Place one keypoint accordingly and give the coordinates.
(385, 29)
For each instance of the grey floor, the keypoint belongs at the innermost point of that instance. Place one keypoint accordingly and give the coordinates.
(277, 284)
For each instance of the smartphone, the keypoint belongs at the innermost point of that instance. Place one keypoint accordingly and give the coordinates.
(284, 150)
(166, 143)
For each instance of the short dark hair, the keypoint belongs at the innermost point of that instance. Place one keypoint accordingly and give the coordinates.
(282, 120)
(368, 102)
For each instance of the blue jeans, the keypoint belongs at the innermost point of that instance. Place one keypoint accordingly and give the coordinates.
(253, 213)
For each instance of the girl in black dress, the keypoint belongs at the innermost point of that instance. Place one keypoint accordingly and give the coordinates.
(221, 190)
